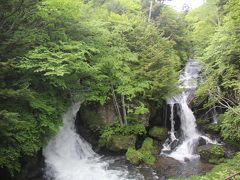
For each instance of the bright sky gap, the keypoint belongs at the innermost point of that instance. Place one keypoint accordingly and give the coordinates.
(178, 4)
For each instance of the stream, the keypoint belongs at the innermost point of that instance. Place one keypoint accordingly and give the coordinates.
(69, 157)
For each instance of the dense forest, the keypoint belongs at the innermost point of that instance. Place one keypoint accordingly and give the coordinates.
(117, 52)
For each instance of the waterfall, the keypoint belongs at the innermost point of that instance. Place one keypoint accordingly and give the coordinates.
(189, 134)
(214, 115)
(172, 132)
(70, 157)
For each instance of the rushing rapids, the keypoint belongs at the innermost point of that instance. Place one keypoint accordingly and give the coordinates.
(70, 157)
(189, 138)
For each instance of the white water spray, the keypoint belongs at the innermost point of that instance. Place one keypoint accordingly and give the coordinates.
(69, 157)
(190, 135)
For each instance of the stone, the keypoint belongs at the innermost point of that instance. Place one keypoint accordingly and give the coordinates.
(119, 143)
(158, 133)
(201, 141)
(92, 118)
(211, 153)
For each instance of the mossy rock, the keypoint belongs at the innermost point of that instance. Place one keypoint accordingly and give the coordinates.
(149, 145)
(146, 153)
(134, 156)
(158, 133)
(118, 143)
(148, 158)
(211, 153)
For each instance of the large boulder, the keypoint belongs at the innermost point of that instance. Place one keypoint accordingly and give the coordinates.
(158, 133)
(92, 118)
(120, 143)
(211, 153)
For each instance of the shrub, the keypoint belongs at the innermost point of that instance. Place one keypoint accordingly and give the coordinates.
(116, 129)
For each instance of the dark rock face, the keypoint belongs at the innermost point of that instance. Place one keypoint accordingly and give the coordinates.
(158, 115)
(92, 118)
(201, 141)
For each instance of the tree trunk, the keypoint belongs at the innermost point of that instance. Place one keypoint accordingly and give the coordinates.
(124, 110)
(117, 106)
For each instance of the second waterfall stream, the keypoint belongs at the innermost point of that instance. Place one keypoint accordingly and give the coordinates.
(189, 138)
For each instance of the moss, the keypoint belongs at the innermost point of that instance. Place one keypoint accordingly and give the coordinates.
(158, 133)
(148, 157)
(148, 145)
(134, 156)
(148, 150)
(145, 153)
(121, 142)
(211, 153)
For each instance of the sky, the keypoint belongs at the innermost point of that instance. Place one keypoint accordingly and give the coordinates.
(178, 4)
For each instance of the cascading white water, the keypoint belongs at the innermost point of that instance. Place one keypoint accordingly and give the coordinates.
(214, 115)
(190, 135)
(69, 157)
(172, 132)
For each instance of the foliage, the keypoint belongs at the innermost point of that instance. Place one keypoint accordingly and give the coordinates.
(54, 51)
(221, 65)
(230, 124)
(202, 24)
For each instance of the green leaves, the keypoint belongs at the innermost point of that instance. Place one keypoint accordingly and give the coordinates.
(53, 51)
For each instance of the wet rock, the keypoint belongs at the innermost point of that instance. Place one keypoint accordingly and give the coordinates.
(201, 141)
(211, 153)
(158, 133)
(186, 159)
(119, 143)
(166, 163)
(174, 144)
